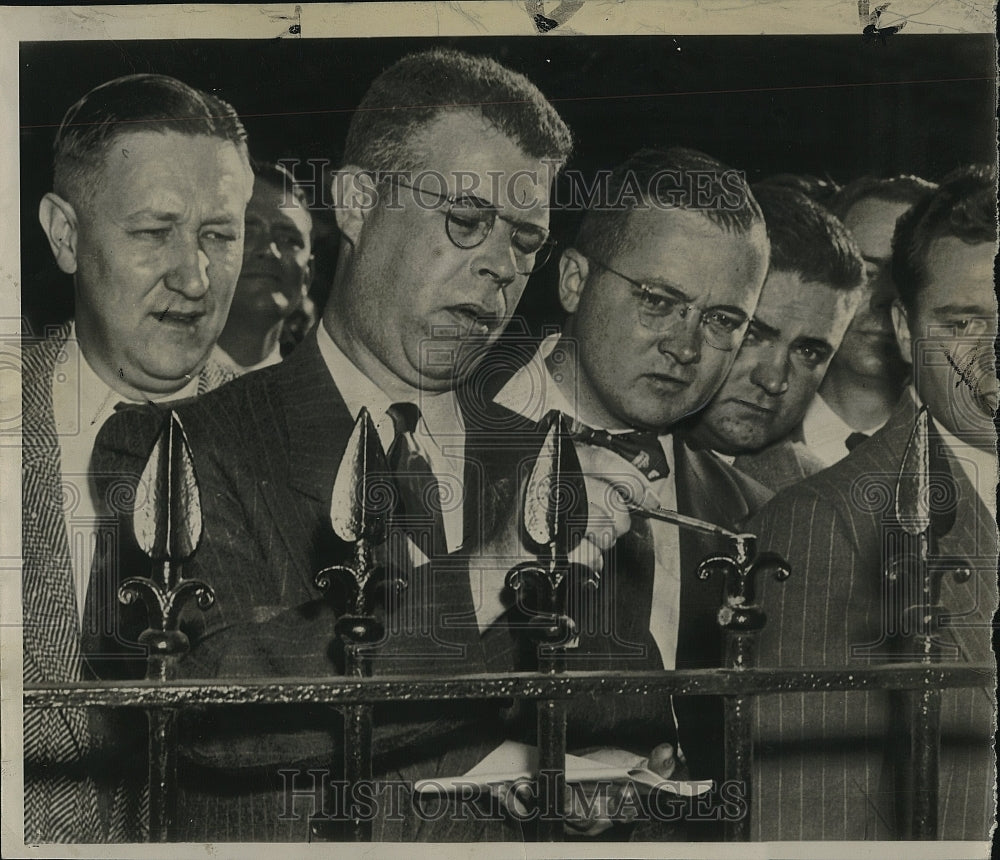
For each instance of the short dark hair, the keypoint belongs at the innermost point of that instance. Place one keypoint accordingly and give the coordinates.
(964, 206)
(280, 176)
(808, 240)
(413, 92)
(819, 190)
(144, 102)
(731, 205)
(896, 189)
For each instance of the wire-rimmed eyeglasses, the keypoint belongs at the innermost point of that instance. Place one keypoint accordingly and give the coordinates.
(660, 307)
(469, 221)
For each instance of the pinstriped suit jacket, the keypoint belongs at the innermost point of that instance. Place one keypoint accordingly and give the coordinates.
(823, 769)
(49, 646)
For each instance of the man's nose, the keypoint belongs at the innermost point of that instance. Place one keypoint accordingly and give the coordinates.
(494, 258)
(771, 372)
(683, 339)
(188, 273)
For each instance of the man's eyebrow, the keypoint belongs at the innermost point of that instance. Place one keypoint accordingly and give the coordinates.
(155, 214)
(666, 287)
(869, 258)
(976, 310)
(816, 343)
(762, 327)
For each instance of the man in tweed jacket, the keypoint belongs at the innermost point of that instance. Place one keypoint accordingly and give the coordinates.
(151, 181)
(824, 768)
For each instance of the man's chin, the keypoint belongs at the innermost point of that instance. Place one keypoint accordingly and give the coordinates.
(161, 381)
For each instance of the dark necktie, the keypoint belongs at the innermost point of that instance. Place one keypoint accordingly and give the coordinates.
(641, 448)
(855, 439)
(418, 507)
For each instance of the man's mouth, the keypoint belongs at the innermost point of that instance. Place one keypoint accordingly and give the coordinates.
(170, 316)
(473, 320)
(750, 405)
(667, 380)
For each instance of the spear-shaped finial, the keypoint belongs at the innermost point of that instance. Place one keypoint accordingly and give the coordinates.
(910, 568)
(554, 491)
(913, 493)
(168, 530)
(359, 508)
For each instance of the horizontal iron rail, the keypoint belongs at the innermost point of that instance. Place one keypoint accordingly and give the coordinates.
(521, 685)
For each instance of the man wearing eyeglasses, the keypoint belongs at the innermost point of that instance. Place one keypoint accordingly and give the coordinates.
(442, 207)
(659, 291)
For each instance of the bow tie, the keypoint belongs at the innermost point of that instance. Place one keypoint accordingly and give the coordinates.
(641, 448)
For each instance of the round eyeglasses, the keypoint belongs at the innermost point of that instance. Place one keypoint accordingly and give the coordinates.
(659, 308)
(469, 220)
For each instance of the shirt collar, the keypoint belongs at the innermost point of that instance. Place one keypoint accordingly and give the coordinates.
(822, 426)
(439, 412)
(532, 392)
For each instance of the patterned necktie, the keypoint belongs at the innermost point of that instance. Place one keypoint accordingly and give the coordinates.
(855, 439)
(418, 507)
(641, 448)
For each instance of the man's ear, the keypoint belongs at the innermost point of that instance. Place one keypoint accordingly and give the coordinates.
(573, 269)
(901, 324)
(354, 196)
(58, 220)
(307, 274)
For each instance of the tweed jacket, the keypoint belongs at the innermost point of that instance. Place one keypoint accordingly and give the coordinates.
(61, 745)
(824, 764)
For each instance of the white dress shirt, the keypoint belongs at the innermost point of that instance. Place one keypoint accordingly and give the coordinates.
(440, 431)
(81, 403)
(532, 392)
(227, 361)
(825, 433)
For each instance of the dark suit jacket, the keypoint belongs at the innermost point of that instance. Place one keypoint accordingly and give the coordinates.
(614, 635)
(823, 768)
(266, 450)
(779, 465)
(266, 496)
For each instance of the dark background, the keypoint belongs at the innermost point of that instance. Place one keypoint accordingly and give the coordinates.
(832, 106)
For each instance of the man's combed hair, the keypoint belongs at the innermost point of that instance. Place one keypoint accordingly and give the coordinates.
(675, 178)
(281, 177)
(963, 206)
(816, 189)
(133, 103)
(808, 240)
(895, 189)
(413, 92)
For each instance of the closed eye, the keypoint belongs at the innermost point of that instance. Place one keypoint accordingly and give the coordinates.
(722, 319)
(220, 235)
(153, 232)
(657, 302)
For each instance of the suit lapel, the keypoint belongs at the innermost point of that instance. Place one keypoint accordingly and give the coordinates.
(303, 406)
